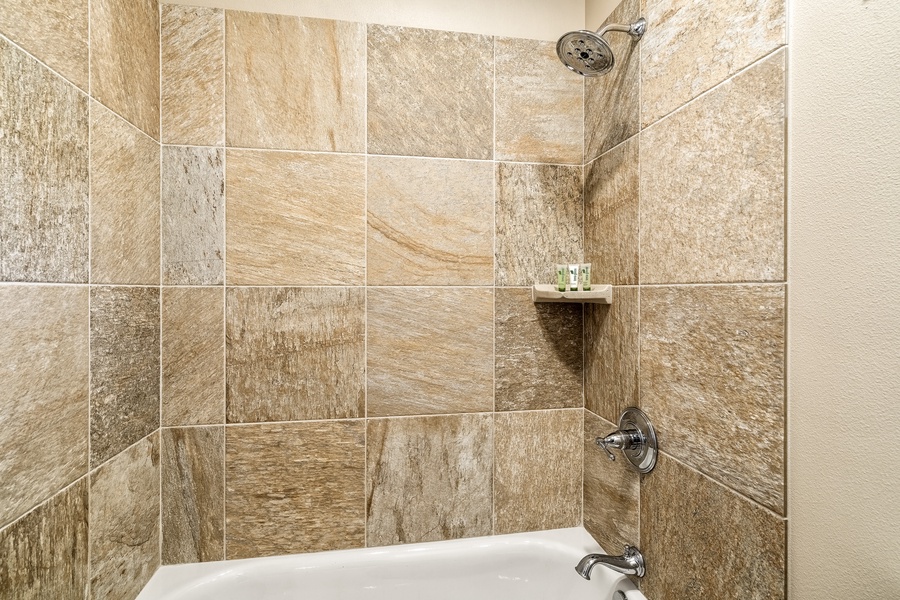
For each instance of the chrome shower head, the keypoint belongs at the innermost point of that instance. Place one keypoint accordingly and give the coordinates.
(588, 53)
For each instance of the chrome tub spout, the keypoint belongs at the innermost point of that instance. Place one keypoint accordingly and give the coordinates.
(630, 563)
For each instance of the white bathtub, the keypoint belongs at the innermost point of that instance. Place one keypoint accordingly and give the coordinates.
(524, 566)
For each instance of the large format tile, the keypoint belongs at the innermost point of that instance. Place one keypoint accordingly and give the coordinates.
(423, 102)
(714, 210)
(538, 353)
(539, 104)
(611, 354)
(430, 351)
(124, 368)
(430, 222)
(428, 478)
(295, 354)
(295, 219)
(712, 379)
(537, 470)
(294, 487)
(44, 161)
(539, 218)
(192, 75)
(294, 83)
(686, 519)
(44, 396)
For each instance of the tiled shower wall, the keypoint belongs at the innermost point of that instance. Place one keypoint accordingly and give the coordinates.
(685, 213)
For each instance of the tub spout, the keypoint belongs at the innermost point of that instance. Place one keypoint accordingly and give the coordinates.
(630, 563)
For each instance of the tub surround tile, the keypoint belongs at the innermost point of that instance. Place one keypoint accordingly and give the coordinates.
(294, 83)
(294, 487)
(193, 355)
(537, 470)
(430, 351)
(538, 353)
(712, 378)
(444, 107)
(428, 479)
(612, 354)
(44, 161)
(430, 222)
(295, 219)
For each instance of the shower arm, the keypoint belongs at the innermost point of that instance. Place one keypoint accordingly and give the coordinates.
(635, 30)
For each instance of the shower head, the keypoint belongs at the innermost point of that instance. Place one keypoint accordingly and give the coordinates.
(588, 53)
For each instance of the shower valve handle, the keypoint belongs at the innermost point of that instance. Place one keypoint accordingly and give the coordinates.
(621, 440)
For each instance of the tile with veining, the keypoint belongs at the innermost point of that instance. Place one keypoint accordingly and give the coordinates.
(611, 186)
(44, 555)
(124, 518)
(295, 219)
(124, 368)
(430, 222)
(539, 218)
(611, 354)
(295, 354)
(538, 361)
(691, 45)
(713, 211)
(687, 518)
(193, 494)
(124, 202)
(193, 215)
(193, 356)
(294, 487)
(44, 396)
(428, 478)
(430, 351)
(294, 83)
(423, 102)
(712, 377)
(537, 470)
(44, 160)
(125, 60)
(192, 75)
(539, 104)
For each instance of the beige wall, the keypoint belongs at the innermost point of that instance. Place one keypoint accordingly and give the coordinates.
(596, 11)
(844, 329)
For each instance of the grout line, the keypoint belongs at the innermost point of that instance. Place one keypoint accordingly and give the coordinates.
(159, 282)
(51, 498)
(90, 105)
(85, 93)
(365, 499)
(224, 332)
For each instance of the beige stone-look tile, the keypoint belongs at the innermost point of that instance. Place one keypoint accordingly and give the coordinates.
(539, 217)
(687, 518)
(44, 396)
(193, 494)
(125, 59)
(44, 161)
(295, 354)
(193, 356)
(295, 219)
(192, 75)
(430, 222)
(537, 470)
(45, 554)
(430, 351)
(713, 210)
(691, 45)
(193, 216)
(712, 379)
(611, 491)
(611, 220)
(538, 353)
(539, 104)
(124, 202)
(430, 93)
(124, 368)
(294, 83)
(612, 102)
(294, 487)
(428, 478)
(124, 518)
(611, 354)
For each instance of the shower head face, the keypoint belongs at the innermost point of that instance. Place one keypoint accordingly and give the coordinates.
(586, 53)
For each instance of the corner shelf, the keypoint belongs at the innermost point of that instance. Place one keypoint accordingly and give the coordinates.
(599, 294)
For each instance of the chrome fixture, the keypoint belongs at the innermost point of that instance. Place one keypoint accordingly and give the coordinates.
(588, 53)
(636, 438)
(630, 563)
